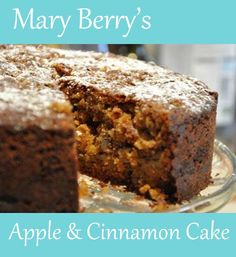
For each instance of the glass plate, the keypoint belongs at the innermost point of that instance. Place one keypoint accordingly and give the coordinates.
(96, 196)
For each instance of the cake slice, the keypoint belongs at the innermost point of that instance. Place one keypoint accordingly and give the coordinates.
(38, 165)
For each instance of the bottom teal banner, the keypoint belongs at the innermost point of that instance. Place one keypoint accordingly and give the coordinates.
(117, 234)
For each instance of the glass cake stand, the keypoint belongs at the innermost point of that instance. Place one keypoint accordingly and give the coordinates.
(100, 197)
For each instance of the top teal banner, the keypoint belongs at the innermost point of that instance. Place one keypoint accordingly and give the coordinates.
(117, 22)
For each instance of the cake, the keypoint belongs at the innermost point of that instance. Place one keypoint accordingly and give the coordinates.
(38, 160)
(132, 123)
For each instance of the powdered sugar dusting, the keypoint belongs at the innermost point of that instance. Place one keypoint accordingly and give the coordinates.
(29, 105)
(33, 67)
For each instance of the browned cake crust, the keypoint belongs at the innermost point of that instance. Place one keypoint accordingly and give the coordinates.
(38, 164)
(136, 124)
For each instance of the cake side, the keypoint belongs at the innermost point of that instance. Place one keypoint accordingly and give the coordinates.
(36, 130)
(36, 175)
(192, 148)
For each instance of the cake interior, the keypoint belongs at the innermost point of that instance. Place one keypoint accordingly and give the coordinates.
(122, 142)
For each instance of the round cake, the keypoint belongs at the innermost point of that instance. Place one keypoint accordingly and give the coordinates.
(117, 119)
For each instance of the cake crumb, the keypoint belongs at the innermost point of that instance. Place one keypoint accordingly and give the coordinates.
(105, 189)
(144, 189)
(156, 194)
(62, 69)
(160, 207)
(61, 108)
(84, 189)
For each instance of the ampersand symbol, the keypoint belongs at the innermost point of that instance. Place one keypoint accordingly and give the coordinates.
(73, 232)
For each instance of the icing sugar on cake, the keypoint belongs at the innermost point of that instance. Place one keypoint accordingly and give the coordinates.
(118, 74)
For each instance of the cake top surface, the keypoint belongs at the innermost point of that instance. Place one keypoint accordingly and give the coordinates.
(34, 67)
(138, 80)
(32, 106)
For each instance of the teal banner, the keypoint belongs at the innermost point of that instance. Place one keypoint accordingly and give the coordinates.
(117, 234)
(123, 21)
